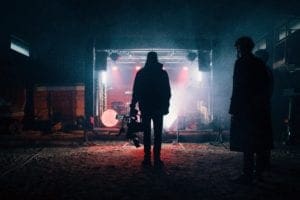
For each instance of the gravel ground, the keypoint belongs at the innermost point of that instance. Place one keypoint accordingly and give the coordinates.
(111, 170)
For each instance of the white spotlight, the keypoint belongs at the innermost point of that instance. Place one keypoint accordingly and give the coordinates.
(199, 76)
(103, 77)
(115, 68)
(137, 67)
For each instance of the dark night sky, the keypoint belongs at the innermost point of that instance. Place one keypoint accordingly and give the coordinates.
(58, 30)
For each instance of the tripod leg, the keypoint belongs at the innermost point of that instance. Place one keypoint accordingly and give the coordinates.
(220, 136)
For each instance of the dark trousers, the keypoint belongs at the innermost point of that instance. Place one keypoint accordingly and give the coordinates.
(256, 162)
(157, 126)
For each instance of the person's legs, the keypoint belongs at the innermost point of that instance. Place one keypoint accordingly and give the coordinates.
(146, 120)
(267, 160)
(158, 123)
(262, 163)
(259, 165)
(248, 165)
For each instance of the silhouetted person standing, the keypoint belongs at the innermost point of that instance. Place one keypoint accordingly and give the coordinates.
(250, 130)
(264, 56)
(151, 90)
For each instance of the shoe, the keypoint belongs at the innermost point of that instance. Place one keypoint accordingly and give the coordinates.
(244, 180)
(158, 164)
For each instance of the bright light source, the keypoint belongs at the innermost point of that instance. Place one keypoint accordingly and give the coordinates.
(199, 76)
(103, 77)
(176, 103)
(137, 67)
(108, 118)
(185, 68)
(170, 119)
(115, 68)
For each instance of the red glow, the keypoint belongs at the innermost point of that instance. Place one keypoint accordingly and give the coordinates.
(108, 118)
(134, 74)
(183, 76)
(116, 77)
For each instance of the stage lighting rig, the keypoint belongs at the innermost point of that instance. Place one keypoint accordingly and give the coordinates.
(191, 56)
(114, 56)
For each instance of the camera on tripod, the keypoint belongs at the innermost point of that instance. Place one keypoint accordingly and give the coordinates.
(131, 126)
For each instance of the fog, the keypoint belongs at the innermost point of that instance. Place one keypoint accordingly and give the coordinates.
(59, 32)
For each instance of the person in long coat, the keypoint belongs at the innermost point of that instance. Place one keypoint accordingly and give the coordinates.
(250, 130)
(264, 56)
(152, 92)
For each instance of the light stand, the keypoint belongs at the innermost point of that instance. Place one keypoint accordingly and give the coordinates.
(219, 138)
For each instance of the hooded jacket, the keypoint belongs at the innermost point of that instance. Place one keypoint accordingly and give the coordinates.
(151, 89)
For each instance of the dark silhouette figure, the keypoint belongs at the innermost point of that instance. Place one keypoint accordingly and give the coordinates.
(264, 56)
(250, 130)
(152, 92)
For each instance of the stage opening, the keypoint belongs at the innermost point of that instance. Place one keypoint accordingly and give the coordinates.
(191, 100)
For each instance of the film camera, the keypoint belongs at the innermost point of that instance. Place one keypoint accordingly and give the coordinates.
(131, 126)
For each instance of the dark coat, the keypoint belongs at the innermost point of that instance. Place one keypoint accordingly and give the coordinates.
(250, 107)
(151, 90)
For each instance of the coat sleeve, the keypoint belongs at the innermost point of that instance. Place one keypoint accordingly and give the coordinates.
(240, 88)
(135, 91)
(167, 87)
(166, 93)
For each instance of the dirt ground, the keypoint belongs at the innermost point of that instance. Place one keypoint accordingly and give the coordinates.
(112, 170)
